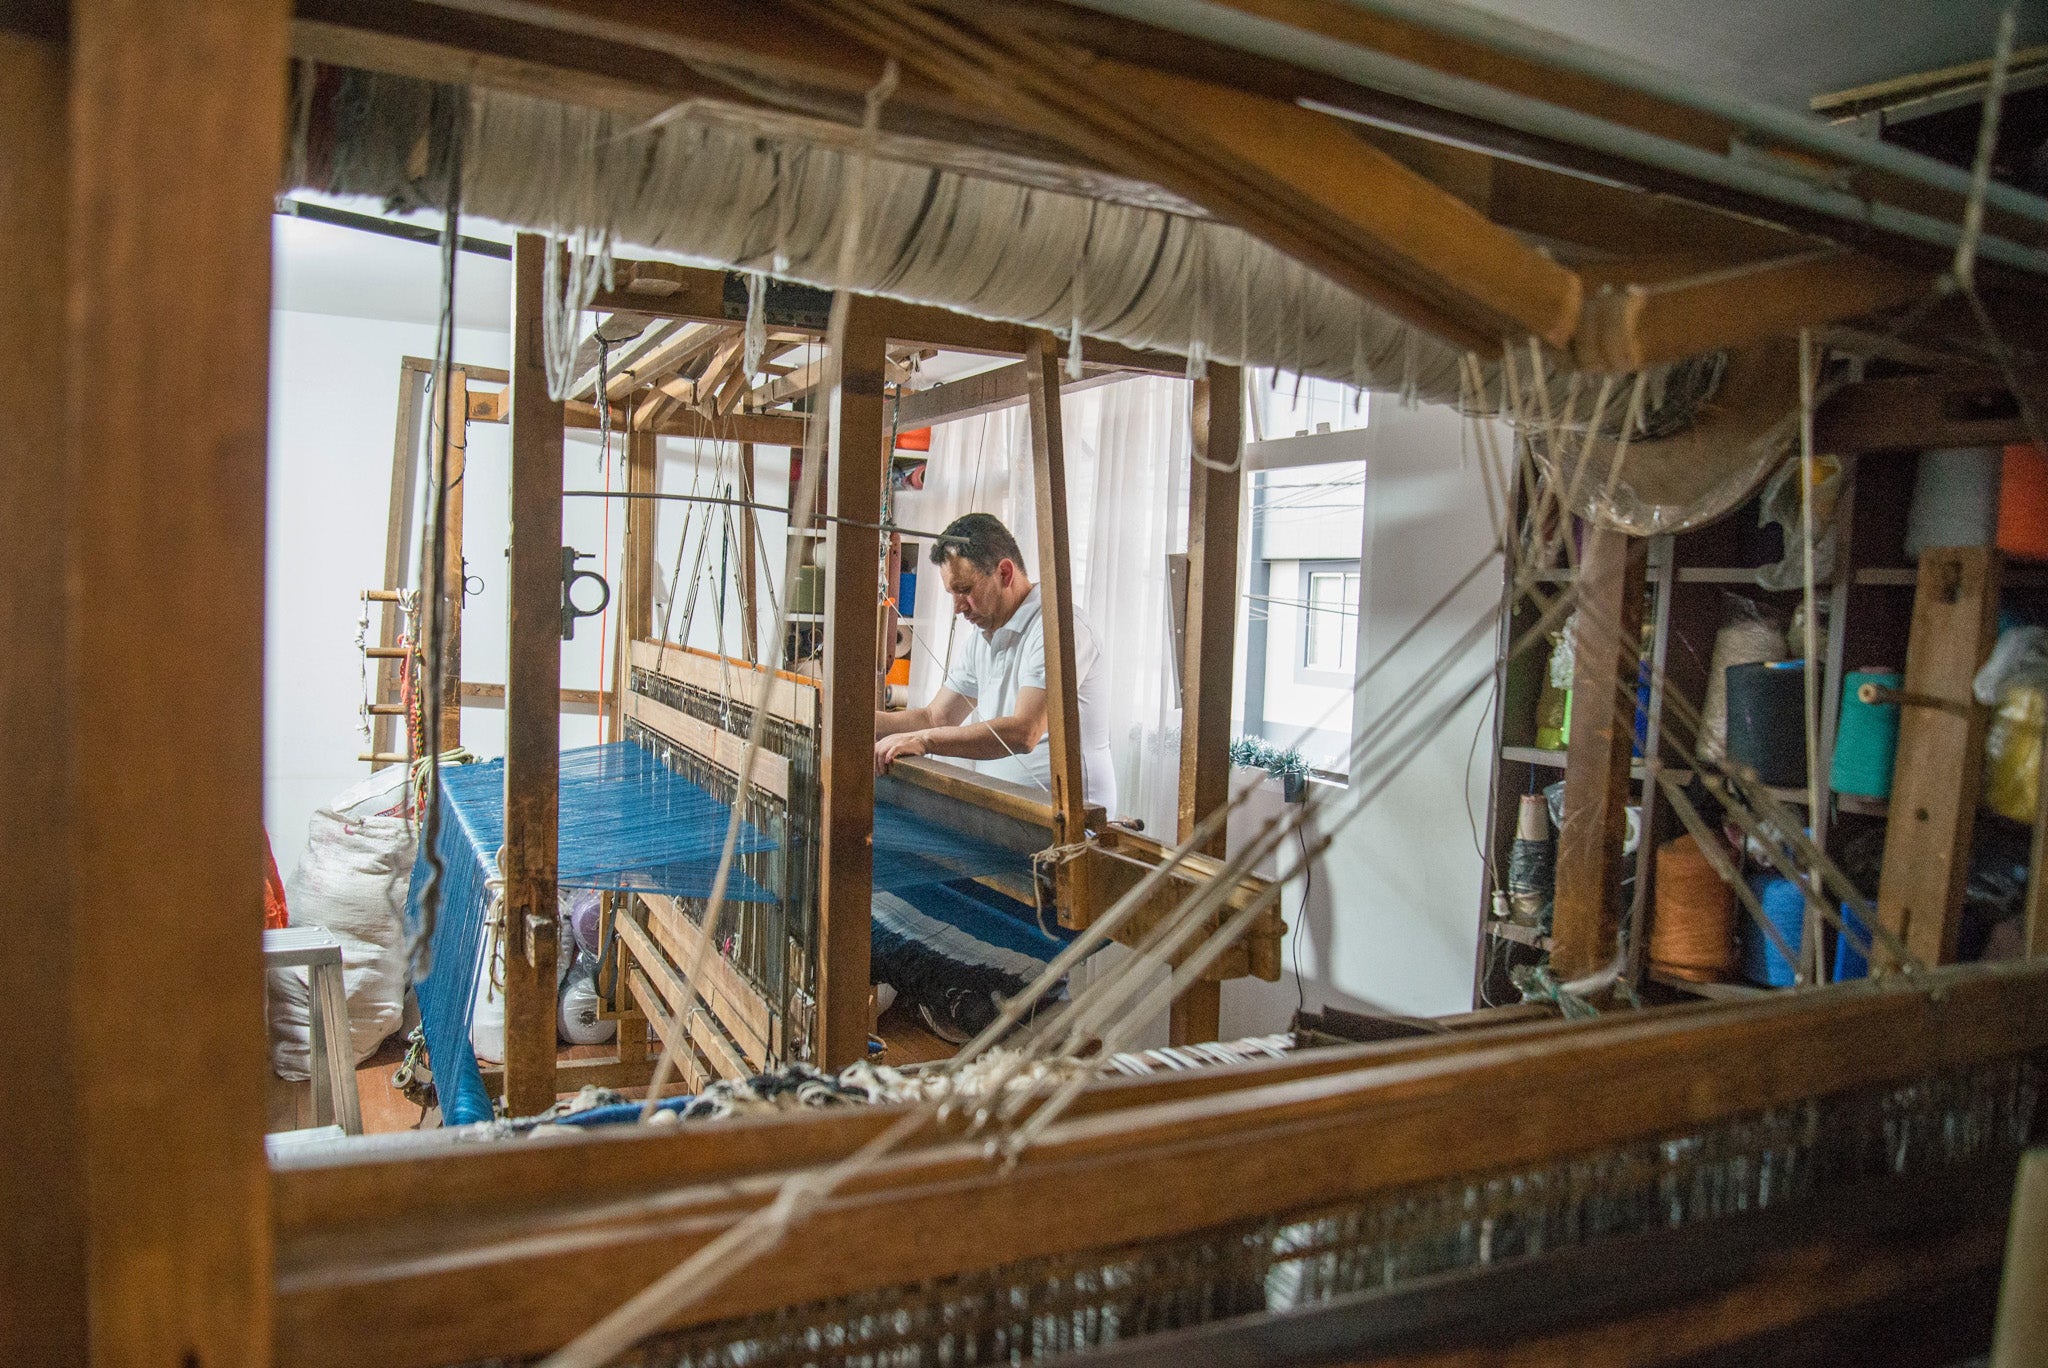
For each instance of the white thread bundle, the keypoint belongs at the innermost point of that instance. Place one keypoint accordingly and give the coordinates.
(1143, 277)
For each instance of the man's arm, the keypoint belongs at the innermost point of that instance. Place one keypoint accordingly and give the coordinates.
(993, 739)
(946, 709)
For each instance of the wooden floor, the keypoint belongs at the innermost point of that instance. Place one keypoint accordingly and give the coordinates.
(904, 1038)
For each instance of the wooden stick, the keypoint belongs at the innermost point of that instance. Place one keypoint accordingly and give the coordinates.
(175, 121)
(1933, 810)
(43, 1224)
(1586, 919)
(533, 681)
(1214, 499)
(454, 563)
(847, 742)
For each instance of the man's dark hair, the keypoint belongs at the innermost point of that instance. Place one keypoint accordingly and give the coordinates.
(980, 539)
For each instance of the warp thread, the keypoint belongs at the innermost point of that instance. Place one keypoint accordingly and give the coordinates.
(1692, 935)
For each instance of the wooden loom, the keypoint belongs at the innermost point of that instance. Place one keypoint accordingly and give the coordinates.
(448, 1258)
(760, 999)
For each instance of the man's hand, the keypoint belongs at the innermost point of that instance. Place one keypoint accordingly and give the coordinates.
(891, 748)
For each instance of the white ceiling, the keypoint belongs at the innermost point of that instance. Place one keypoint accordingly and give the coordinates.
(1784, 51)
(321, 268)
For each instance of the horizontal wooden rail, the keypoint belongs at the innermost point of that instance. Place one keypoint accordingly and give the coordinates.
(381, 1281)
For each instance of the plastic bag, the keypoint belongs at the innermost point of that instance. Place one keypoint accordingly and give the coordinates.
(2015, 682)
(1781, 506)
(576, 1018)
(352, 881)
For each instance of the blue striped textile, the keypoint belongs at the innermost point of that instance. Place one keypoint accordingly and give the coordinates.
(627, 822)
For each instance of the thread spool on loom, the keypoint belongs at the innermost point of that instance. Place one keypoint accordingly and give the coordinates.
(1767, 719)
(1867, 737)
(1692, 935)
(1785, 908)
(1532, 864)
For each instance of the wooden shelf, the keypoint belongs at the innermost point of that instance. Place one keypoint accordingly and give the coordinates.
(1520, 935)
(1844, 802)
(1715, 992)
(1550, 759)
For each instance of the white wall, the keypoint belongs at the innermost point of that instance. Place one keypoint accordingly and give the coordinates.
(351, 308)
(1392, 914)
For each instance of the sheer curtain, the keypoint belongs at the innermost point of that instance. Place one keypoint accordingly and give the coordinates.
(1127, 449)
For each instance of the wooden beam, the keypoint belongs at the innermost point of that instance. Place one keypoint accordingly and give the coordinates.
(1215, 498)
(2036, 926)
(398, 530)
(750, 556)
(1933, 810)
(1921, 412)
(43, 1223)
(533, 680)
(764, 429)
(452, 408)
(1056, 589)
(1587, 917)
(975, 395)
(696, 294)
(175, 114)
(405, 1285)
(1627, 325)
(636, 575)
(847, 741)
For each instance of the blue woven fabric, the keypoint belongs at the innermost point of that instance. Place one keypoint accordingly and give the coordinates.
(911, 851)
(937, 939)
(627, 822)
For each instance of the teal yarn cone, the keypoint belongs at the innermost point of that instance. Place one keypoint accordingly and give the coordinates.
(1867, 738)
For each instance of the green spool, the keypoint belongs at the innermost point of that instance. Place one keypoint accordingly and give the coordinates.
(1867, 741)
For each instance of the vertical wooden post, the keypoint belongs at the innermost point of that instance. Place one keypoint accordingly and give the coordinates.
(42, 1197)
(750, 554)
(177, 116)
(533, 682)
(1941, 753)
(846, 868)
(457, 409)
(2036, 926)
(398, 525)
(1587, 920)
(1055, 587)
(1214, 498)
(636, 570)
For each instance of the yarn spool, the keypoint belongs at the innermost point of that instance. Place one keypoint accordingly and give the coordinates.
(1692, 935)
(2023, 503)
(1851, 962)
(1767, 719)
(1867, 738)
(1785, 908)
(1747, 641)
(1955, 499)
(1532, 864)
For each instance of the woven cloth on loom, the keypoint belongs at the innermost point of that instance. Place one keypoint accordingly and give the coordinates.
(934, 942)
(627, 822)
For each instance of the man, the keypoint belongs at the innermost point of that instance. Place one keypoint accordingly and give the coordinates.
(999, 678)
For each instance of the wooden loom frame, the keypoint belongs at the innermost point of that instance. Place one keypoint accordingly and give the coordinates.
(141, 1210)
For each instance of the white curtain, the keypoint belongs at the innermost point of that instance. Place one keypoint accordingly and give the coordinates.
(1127, 448)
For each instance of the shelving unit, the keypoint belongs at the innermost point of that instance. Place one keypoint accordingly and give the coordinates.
(1866, 617)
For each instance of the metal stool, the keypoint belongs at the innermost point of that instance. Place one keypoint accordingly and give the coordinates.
(335, 1101)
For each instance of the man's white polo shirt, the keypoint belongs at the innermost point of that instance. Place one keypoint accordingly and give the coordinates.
(993, 666)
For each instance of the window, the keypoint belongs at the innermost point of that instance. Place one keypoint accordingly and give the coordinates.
(1298, 629)
(1330, 635)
